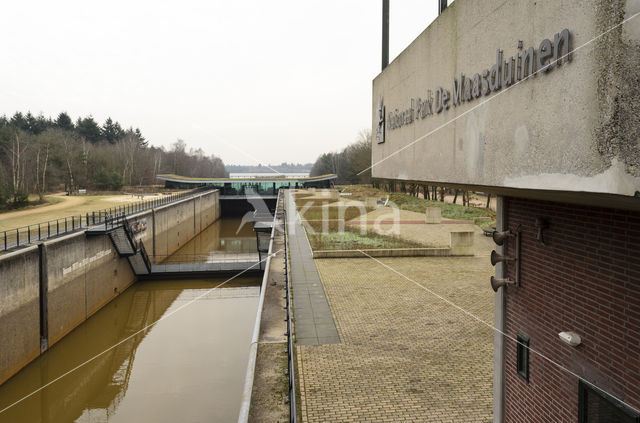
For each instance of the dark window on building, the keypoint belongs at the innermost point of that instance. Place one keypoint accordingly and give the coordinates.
(523, 356)
(595, 406)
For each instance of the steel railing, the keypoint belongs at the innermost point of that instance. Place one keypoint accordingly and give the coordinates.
(210, 257)
(203, 262)
(293, 416)
(24, 235)
(145, 257)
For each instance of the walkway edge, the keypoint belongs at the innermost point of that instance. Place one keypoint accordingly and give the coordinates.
(243, 417)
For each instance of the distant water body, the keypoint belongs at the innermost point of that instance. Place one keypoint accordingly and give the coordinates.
(269, 174)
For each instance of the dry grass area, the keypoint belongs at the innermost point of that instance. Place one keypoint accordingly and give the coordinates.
(352, 240)
(360, 192)
(63, 206)
(418, 204)
(333, 224)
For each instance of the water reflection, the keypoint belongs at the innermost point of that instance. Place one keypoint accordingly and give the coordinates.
(227, 239)
(187, 367)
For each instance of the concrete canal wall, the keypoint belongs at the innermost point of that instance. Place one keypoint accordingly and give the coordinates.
(49, 289)
(171, 226)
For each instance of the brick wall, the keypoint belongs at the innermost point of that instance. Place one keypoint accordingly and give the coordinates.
(585, 279)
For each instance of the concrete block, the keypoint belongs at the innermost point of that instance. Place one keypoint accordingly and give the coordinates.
(462, 243)
(333, 195)
(434, 215)
(371, 202)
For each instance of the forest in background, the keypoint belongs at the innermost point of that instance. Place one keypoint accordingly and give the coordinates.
(348, 163)
(39, 154)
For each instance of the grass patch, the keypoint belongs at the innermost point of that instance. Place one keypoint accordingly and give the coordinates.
(326, 225)
(348, 240)
(449, 211)
(325, 212)
(361, 192)
(315, 202)
(487, 224)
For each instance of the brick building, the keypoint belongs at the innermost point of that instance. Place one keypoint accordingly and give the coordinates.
(584, 277)
(536, 102)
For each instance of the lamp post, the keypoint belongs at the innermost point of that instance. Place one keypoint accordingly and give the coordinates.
(385, 33)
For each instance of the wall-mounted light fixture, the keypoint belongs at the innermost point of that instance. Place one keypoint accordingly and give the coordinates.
(499, 238)
(570, 338)
(541, 225)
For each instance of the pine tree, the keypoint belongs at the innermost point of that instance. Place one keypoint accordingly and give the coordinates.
(141, 140)
(112, 131)
(89, 129)
(64, 122)
(19, 121)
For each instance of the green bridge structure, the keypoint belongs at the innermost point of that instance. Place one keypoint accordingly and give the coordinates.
(243, 187)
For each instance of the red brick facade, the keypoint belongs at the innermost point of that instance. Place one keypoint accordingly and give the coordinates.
(585, 279)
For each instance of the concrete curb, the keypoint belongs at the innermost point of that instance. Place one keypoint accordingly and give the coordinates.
(384, 252)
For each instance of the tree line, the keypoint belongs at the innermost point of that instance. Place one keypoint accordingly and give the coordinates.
(352, 164)
(39, 154)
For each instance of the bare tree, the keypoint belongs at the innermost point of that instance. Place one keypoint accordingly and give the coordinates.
(16, 151)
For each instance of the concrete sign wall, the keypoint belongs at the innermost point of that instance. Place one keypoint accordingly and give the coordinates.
(516, 94)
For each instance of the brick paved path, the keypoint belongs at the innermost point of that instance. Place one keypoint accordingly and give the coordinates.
(405, 355)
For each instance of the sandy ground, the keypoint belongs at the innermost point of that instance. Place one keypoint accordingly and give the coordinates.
(70, 205)
(411, 228)
(475, 202)
(74, 200)
(68, 201)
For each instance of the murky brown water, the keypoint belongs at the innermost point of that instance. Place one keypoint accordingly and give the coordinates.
(227, 237)
(188, 367)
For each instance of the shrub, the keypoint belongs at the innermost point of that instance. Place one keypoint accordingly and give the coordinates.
(107, 180)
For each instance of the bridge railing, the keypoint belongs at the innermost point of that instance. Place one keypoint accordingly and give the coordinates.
(24, 235)
(145, 257)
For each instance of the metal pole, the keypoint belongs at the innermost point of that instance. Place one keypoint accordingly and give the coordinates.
(442, 4)
(385, 33)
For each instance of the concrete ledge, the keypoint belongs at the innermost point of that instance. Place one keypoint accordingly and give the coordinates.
(384, 252)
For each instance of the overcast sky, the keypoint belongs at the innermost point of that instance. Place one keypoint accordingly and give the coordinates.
(282, 80)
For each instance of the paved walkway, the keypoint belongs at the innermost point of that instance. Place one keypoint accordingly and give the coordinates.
(405, 355)
(314, 323)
